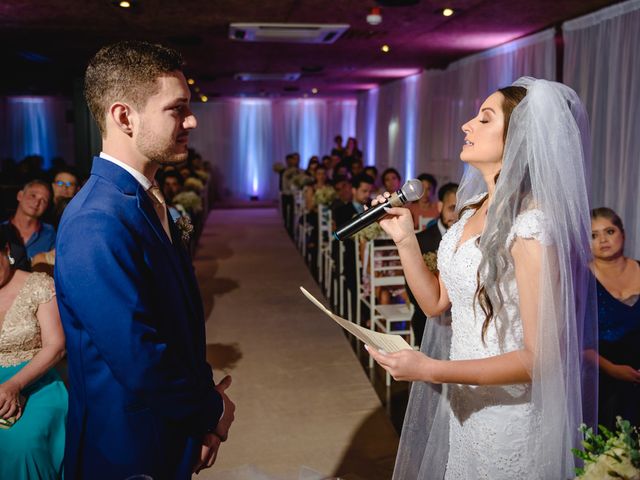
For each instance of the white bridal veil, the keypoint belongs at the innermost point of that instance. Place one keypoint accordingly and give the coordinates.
(545, 166)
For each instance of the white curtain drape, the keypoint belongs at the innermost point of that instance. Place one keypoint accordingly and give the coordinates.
(414, 124)
(243, 138)
(35, 125)
(602, 63)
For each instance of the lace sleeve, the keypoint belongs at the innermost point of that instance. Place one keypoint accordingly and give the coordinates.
(530, 224)
(42, 287)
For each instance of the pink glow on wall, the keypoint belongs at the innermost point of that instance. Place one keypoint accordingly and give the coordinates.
(474, 41)
(388, 72)
(351, 86)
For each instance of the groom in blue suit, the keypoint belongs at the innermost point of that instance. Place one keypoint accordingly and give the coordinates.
(142, 399)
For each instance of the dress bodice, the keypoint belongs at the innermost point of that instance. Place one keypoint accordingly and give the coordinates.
(616, 319)
(20, 338)
(458, 264)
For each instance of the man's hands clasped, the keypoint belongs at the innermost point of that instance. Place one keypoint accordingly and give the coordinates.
(211, 442)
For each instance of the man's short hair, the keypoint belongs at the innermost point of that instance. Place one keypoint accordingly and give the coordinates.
(360, 179)
(446, 189)
(35, 182)
(371, 167)
(126, 71)
(340, 178)
(427, 177)
(172, 174)
(66, 169)
(390, 170)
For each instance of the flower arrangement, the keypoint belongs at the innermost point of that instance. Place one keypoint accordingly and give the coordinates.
(300, 180)
(193, 184)
(431, 261)
(189, 200)
(371, 232)
(202, 175)
(324, 195)
(278, 167)
(610, 455)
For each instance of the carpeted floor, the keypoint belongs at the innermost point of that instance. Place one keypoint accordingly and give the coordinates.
(305, 408)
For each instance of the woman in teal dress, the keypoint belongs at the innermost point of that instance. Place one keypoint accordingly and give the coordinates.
(33, 398)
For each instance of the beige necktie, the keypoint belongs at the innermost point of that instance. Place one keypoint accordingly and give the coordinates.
(161, 209)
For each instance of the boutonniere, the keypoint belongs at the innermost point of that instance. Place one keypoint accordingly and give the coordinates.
(185, 226)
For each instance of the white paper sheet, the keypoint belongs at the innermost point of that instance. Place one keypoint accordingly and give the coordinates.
(379, 341)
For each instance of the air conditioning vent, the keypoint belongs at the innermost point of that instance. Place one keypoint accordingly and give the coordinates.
(267, 77)
(286, 32)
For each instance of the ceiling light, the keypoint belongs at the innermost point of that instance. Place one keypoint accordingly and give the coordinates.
(447, 12)
(385, 48)
(305, 95)
(314, 91)
(374, 17)
(197, 89)
(191, 81)
(125, 4)
(203, 98)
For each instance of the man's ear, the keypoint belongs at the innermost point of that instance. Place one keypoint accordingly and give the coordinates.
(19, 196)
(440, 205)
(121, 115)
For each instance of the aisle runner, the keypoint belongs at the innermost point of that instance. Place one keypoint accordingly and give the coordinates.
(305, 407)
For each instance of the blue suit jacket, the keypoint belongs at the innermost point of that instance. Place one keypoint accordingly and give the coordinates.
(141, 392)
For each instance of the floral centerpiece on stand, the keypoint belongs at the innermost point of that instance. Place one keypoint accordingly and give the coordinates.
(371, 232)
(278, 167)
(610, 455)
(301, 180)
(190, 201)
(193, 184)
(325, 195)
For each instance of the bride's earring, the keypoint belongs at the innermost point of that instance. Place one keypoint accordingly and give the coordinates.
(11, 259)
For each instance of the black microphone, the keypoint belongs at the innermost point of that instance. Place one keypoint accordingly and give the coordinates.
(410, 192)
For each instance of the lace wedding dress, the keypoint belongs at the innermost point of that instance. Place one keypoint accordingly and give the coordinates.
(489, 426)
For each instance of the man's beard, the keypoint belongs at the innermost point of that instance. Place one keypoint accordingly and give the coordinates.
(162, 154)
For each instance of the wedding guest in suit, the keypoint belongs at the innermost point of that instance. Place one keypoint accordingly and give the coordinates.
(361, 191)
(142, 396)
(33, 398)
(26, 226)
(429, 241)
(618, 285)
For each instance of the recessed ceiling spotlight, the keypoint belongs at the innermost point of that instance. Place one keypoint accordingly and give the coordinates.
(375, 16)
(314, 91)
(191, 81)
(204, 98)
(305, 95)
(385, 48)
(124, 4)
(447, 12)
(197, 89)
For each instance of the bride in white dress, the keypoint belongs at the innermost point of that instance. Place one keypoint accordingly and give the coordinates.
(513, 270)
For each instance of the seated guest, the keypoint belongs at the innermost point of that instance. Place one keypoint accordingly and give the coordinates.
(338, 149)
(618, 288)
(429, 241)
(26, 227)
(171, 185)
(326, 163)
(357, 167)
(391, 180)
(344, 193)
(373, 173)
(426, 208)
(361, 192)
(65, 185)
(33, 398)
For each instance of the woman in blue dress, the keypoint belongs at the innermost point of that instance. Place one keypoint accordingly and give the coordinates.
(618, 284)
(33, 398)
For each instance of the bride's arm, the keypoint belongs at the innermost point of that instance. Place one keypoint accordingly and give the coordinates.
(508, 368)
(427, 288)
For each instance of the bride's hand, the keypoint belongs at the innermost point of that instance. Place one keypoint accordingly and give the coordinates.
(406, 365)
(398, 223)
